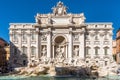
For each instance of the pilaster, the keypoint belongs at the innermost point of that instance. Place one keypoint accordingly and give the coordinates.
(49, 43)
(82, 44)
(37, 44)
(20, 40)
(29, 46)
(66, 51)
(53, 50)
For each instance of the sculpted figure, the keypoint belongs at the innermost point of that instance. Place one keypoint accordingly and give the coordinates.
(60, 9)
(49, 19)
(64, 10)
(38, 20)
(76, 52)
(44, 52)
(54, 10)
(59, 52)
(44, 37)
(76, 37)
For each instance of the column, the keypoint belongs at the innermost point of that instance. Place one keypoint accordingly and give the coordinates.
(29, 46)
(70, 44)
(40, 46)
(110, 46)
(92, 51)
(53, 47)
(82, 44)
(49, 43)
(37, 44)
(66, 51)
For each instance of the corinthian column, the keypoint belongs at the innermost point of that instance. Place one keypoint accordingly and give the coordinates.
(49, 44)
(66, 51)
(53, 51)
(70, 44)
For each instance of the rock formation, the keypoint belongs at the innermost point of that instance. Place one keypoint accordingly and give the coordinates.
(74, 67)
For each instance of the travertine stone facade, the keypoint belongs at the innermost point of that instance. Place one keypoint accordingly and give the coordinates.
(61, 35)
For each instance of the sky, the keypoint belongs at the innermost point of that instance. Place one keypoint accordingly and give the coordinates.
(24, 11)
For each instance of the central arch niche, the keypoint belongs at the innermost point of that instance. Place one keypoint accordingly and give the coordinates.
(60, 47)
(60, 40)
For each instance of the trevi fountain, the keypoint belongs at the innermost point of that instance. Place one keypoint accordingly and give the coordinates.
(61, 44)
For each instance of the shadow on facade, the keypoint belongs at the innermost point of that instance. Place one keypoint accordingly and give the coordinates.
(3, 61)
(17, 58)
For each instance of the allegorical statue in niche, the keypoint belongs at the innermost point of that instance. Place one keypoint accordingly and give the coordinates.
(59, 52)
(76, 51)
(44, 51)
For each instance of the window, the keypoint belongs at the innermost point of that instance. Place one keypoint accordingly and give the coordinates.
(33, 50)
(87, 37)
(33, 36)
(15, 37)
(15, 50)
(106, 63)
(106, 50)
(87, 50)
(24, 50)
(96, 50)
(105, 37)
(96, 37)
(24, 37)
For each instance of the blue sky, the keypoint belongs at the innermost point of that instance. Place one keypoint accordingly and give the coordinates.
(23, 11)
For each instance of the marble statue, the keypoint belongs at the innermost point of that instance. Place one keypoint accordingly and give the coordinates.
(44, 52)
(60, 9)
(76, 51)
(59, 52)
(43, 37)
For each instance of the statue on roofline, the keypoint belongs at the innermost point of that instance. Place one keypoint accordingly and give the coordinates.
(60, 9)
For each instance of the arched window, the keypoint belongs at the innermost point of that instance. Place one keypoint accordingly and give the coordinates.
(33, 50)
(24, 50)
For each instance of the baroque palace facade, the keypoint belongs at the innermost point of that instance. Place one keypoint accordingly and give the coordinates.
(60, 35)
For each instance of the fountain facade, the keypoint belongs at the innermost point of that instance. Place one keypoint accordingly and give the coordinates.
(60, 39)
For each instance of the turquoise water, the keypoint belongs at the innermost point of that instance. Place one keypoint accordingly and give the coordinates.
(54, 78)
